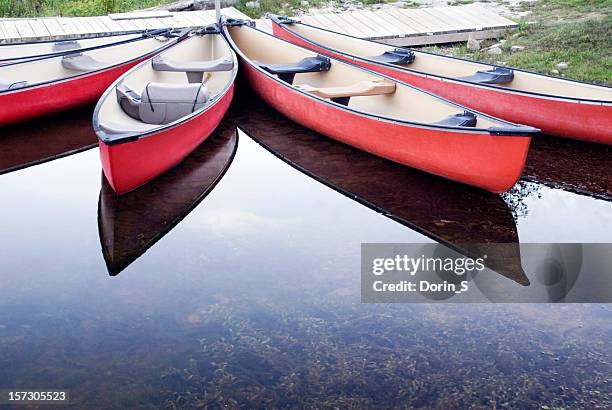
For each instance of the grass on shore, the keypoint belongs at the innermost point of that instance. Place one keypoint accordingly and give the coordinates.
(576, 32)
(41, 8)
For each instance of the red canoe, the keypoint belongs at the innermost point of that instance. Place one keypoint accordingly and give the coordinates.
(376, 114)
(157, 113)
(557, 106)
(40, 87)
(12, 53)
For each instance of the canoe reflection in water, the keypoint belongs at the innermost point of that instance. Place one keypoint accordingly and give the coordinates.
(572, 166)
(132, 223)
(464, 218)
(25, 145)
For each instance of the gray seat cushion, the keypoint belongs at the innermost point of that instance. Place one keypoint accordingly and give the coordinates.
(164, 103)
(82, 62)
(11, 85)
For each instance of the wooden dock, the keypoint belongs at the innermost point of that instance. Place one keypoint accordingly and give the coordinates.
(58, 28)
(391, 25)
(412, 27)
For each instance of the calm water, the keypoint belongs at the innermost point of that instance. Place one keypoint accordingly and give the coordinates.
(234, 279)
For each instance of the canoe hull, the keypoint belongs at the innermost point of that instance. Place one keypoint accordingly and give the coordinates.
(490, 162)
(29, 103)
(565, 118)
(129, 165)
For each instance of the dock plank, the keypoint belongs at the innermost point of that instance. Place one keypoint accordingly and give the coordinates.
(326, 21)
(154, 23)
(486, 14)
(405, 28)
(135, 15)
(407, 20)
(376, 30)
(53, 26)
(82, 27)
(457, 21)
(39, 29)
(68, 26)
(323, 21)
(474, 22)
(389, 26)
(335, 24)
(24, 28)
(359, 25)
(440, 20)
(11, 31)
(111, 24)
(433, 24)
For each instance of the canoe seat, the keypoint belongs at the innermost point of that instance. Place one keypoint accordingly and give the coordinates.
(464, 119)
(397, 56)
(195, 69)
(82, 62)
(66, 45)
(162, 103)
(498, 75)
(287, 72)
(11, 85)
(342, 95)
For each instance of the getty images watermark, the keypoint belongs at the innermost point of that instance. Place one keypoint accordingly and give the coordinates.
(510, 272)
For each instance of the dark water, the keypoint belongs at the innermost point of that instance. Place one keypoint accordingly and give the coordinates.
(233, 281)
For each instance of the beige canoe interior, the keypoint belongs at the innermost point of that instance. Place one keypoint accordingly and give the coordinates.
(52, 69)
(197, 48)
(13, 51)
(448, 67)
(404, 103)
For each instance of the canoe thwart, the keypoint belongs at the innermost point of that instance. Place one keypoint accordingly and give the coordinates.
(81, 62)
(498, 75)
(343, 94)
(464, 119)
(66, 45)
(397, 56)
(287, 72)
(195, 69)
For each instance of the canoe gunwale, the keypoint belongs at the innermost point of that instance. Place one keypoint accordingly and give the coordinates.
(69, 39)
(37, 57)
(148, 55)
(513, 130)
(577, 100)
(136, 135)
